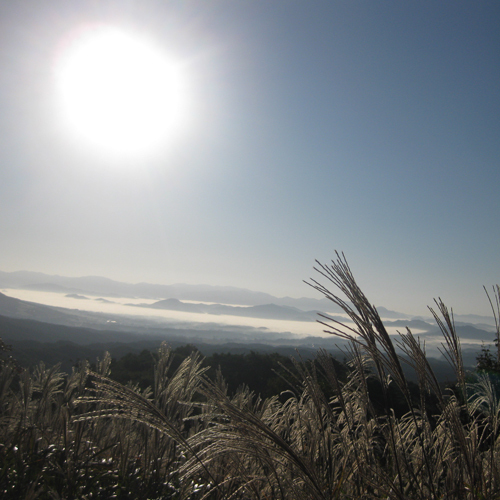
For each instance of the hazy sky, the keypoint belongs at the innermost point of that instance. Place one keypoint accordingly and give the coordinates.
(369, 127)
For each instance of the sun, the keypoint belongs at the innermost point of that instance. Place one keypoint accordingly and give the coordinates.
(118, 92)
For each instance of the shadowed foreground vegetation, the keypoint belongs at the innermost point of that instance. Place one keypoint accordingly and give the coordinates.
(331, 435)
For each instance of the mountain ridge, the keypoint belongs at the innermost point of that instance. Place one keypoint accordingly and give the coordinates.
(96, 285)
(223, 295)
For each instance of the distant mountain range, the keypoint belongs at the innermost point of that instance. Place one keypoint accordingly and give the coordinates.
(138, 325)
(223, 299)
(20, 309)
(265, 311)
(95, 285)
(98, 286)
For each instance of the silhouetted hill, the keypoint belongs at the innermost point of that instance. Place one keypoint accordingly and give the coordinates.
(387, 313)
(28, 330)
(265, 311)
(175, 305)
(16, 308)
(471, 332)
(416, 324)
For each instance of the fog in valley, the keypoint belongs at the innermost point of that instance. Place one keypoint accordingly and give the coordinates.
(208, 321)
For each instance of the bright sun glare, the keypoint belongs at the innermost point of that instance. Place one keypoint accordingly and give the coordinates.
(119, 93)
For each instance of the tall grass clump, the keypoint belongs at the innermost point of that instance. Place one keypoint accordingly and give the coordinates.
(453, 454)
(342, 441)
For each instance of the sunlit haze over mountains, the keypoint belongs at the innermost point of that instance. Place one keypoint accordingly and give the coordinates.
(232, 143)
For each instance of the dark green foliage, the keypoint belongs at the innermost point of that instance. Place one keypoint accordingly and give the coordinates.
(264, 374)
(261, 373)
(488, 363)
(135, 368)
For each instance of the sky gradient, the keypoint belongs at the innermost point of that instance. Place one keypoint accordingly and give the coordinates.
(371, 128)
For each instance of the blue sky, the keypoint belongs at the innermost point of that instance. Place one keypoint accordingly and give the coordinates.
(366, 127)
